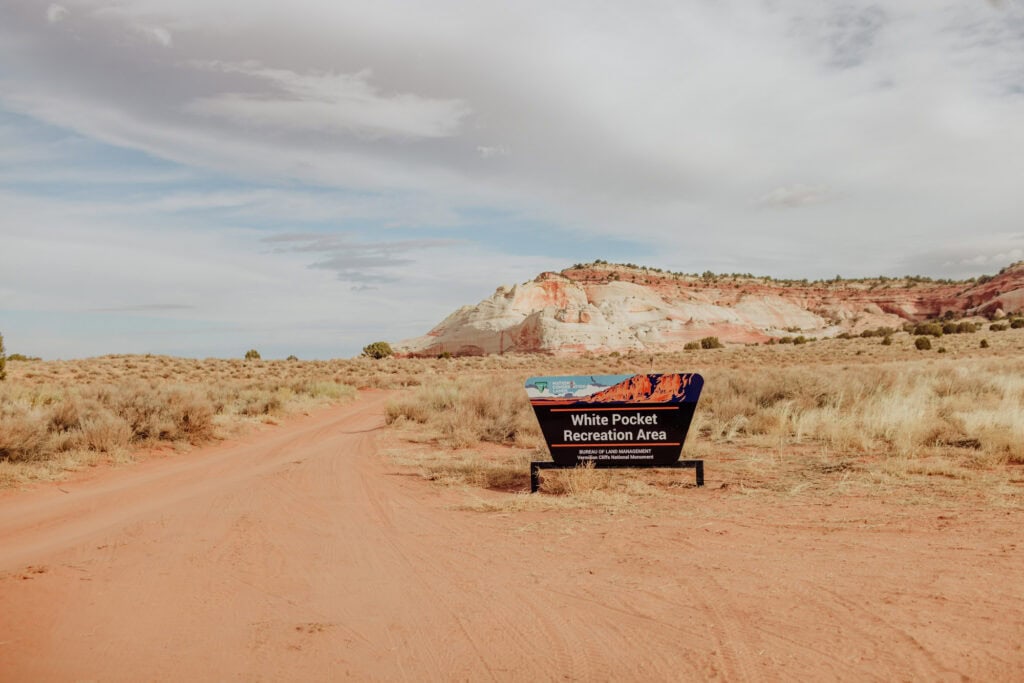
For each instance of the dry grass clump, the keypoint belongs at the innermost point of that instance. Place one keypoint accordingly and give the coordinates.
(38, 423)
(56, 416)
(470, 410)
(903, 409)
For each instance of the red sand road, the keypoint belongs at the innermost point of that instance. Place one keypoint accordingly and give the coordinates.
(299, 554)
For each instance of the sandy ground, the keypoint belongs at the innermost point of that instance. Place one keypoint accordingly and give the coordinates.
(299, 554)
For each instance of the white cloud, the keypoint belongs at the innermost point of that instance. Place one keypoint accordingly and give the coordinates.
(55, 13)
(331, 101)
(157, 34)
(795, 196)
(492, 151)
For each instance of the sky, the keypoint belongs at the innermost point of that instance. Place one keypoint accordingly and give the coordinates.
(200, 177)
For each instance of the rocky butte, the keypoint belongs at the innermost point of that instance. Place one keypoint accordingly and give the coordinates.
(603, 307)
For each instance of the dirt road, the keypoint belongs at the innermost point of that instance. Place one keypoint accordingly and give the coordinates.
(300, 554)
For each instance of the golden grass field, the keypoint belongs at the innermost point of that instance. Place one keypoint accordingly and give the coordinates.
(840, 414)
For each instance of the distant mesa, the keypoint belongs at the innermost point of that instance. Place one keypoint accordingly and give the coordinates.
(603, 307)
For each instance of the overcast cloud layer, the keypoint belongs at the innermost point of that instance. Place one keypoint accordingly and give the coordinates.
(200, 178)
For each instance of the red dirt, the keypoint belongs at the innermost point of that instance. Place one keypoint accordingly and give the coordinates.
(297, 554)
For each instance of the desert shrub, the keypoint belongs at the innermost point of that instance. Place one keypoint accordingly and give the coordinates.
(139, 408)
(786, 340)
(887, 340)
(966, 328)
(20, 357)
(378, 350)
(292, 357)
(104, 433)
(331, 390)
(1017, 323)
(711, 343)
(252, 354)
(942, 349)
(257, 403)
(928, 329)
(465, 412)
(922, 344)
(3, 360)
(691, 346)
(800, 339)
(191, 414)
(998, 327)
(23, 436)
(983, 344)
(949, 328)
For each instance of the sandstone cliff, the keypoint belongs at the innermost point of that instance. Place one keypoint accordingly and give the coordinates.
(604, 307)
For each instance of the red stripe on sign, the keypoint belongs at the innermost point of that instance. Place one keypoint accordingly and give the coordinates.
(588, 445)
(590, 410)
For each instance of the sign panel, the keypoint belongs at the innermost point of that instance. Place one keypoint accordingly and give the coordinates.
(615, 420)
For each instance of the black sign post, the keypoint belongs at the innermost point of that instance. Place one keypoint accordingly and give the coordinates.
(615, 420)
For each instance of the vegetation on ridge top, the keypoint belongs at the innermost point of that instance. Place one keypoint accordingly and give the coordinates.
(709, 276)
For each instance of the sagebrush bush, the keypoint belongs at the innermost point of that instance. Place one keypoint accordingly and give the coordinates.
(471, 410)
(38, 423)
(922, 344)
(378, 350)
(929, 329)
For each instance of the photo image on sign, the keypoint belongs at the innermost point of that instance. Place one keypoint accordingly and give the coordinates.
(661, 388)
(615, 420)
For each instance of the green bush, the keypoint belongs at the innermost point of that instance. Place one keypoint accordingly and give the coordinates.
(20, 357)
(710, 343)
(966, 327)
(800, 339)
(292, 357)
(691, 346)
(998, 327)
(378, 350)
(922, 344)
(984, 343)
(3, 360)
(932, 329)
(1017, 323)
(887, 340)
(252, 354)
